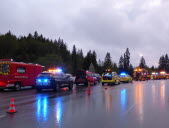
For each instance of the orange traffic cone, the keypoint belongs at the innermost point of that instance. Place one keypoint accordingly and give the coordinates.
(88, 88)
(11, 106)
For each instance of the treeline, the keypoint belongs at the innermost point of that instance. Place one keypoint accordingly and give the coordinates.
(35, 48)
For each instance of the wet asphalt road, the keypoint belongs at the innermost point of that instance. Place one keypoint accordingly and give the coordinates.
(139, 105)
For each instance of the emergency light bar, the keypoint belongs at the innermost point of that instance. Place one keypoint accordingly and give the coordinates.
(122, 74)
(55, 70)
(162, 72)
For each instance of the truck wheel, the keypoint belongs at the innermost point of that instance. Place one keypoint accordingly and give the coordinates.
(39, 89)
(70, 86)
(17, 87)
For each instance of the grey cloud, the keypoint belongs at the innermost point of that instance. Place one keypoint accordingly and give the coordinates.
(101, 25)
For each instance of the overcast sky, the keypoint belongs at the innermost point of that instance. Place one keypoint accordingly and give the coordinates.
(101, 25)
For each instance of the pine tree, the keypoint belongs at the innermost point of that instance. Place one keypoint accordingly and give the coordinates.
(142, 63)
(108, 62)
(115, 68)
(126, 60)
(131, 70)
(94, 60)
(80, 59)
(166, 63)
(74, 60)
(121, 64)
(161, 63)
(87, 61)
(36, 35)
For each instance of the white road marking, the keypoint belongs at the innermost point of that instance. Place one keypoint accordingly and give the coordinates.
(129, 109)
(1, 116)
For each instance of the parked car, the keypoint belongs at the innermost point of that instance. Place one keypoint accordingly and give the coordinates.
(98, 77)
(55, 81)
(85, 77)
(110, 78)
(125, 78)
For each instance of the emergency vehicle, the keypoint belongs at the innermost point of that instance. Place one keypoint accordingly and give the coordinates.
(110, 77)
(162, 75)
(154, 75)
(18, 74)
(85, 77)
(125, 78)
(53, 79)
(140, 74)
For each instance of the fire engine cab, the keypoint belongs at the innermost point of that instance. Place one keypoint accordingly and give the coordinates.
(140, 74)
(18, 74)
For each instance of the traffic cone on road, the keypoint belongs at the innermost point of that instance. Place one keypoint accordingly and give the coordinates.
(11, 109)
(88, 89)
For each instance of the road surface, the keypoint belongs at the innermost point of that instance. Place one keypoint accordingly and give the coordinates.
(142, 104)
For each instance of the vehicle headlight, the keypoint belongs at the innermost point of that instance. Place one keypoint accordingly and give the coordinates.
(45, 80)
(38, 81)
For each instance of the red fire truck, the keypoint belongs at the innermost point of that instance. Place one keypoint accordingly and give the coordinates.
(18, 74)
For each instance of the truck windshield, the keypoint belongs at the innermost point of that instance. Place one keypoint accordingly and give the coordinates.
(4, 68)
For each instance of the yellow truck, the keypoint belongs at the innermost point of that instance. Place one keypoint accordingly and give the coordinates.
(140, 74)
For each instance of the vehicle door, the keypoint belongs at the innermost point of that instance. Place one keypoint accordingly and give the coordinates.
(89, 77)
(94, 77)
(65, 78)
(58, 78)
(116, 76)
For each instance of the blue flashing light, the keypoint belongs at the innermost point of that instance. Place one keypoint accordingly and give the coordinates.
(157, 73)
(59, 70)
(122, 74)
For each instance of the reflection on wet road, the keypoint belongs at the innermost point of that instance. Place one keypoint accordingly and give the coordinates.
(141, 104)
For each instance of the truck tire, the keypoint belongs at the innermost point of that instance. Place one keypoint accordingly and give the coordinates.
(17, 86)
(102, 84)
